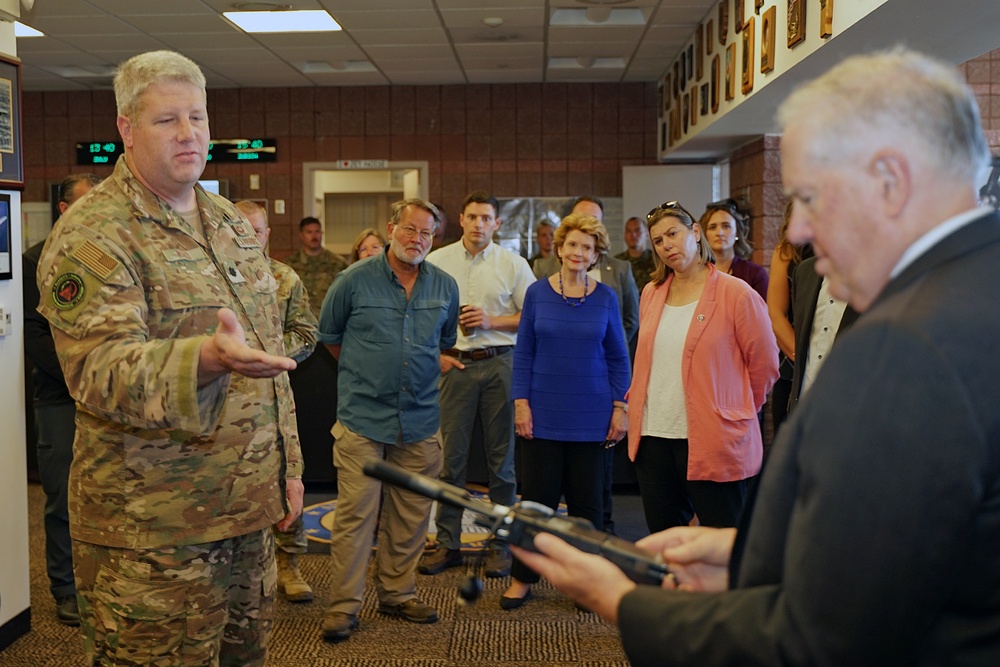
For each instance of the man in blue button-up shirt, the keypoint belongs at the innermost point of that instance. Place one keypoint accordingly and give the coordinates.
(386, 319)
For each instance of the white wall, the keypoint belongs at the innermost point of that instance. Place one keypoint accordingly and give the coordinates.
(14, 590)
(693, 185)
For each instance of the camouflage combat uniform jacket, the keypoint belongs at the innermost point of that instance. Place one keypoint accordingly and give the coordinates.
(131, 292)
(298, 322)
(317, 273)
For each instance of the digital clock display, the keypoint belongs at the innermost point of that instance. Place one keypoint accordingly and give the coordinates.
(219, 150)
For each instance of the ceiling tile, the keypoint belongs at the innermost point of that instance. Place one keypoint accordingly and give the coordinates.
(513, 17)
(374, 19)
(389, 37)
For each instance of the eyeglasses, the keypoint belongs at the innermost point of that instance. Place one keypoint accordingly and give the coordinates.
(410, 232)
(669, 206)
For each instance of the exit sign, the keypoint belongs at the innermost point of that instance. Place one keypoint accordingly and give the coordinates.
(219, 150)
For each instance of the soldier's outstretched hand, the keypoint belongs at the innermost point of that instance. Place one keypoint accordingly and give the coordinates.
(227, 352)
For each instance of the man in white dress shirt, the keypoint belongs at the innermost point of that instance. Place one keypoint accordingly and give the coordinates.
(476, 373)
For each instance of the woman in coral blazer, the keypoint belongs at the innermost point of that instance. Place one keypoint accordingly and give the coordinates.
(705, 360)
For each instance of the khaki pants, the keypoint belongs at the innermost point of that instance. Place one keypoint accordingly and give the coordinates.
(402, 524)
(197, 605)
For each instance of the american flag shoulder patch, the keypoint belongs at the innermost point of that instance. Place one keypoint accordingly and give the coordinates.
(96, 260)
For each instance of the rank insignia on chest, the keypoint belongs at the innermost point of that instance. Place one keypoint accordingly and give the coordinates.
(233, 273)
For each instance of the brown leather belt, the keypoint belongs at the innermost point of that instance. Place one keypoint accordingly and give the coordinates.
(478, 354)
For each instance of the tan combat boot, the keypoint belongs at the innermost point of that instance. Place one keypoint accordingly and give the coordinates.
(290, 581)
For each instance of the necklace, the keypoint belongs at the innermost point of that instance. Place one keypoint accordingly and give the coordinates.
(582, 298)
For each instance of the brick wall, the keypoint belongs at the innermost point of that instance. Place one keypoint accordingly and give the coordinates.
(550, 139)
(755, 169)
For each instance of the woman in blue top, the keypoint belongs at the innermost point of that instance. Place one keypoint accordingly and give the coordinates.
(571, 371)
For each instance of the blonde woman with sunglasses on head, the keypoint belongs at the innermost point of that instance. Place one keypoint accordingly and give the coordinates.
(705, 360)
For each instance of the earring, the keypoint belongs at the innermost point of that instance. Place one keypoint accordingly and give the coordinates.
(737, 238)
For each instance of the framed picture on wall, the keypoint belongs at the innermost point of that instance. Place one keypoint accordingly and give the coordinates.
(738, 16)
(748, 56)
(723, 22)
(5, 240)
(709, 37)
(825, 18)
(716, 73)
(11, 160)
(757, 4)
(690, 62)
(704, 99)
(699, 54)
(686, 111)
(694, 105)
(767, 40)
(796, 22)
(731, 71)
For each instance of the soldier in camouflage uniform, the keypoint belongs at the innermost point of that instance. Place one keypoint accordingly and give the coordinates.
(316, 266)
(299, 328)
(638, 253)
(166, 321)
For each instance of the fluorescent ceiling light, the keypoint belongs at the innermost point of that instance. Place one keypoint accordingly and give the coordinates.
(601, 16)
(284, 21)
(323, 67)
(21, 30)
(586, 62)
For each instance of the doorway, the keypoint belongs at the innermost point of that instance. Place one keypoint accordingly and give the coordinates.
(348, 199)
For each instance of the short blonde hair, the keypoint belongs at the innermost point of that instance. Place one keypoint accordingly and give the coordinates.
(248, 208)
(587, 224)
(360, 238)
(139, 72)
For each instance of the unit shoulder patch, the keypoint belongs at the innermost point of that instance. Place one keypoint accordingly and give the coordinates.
(68, 291)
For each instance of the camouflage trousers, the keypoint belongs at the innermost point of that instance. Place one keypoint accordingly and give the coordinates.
(204, 604)
(292, 541)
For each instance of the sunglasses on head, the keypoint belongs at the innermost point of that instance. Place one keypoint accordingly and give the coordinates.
(727, 205)
(669, 206)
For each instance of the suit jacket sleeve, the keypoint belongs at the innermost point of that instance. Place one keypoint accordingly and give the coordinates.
(806, 284)
(630, 301)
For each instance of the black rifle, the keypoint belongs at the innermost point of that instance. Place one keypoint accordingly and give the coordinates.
(519, 524)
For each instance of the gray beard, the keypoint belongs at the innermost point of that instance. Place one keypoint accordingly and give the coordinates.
(400, 254)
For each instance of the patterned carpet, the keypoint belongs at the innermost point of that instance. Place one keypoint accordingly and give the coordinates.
(548, 630)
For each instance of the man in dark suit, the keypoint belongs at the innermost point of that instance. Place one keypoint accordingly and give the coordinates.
(819, 319)
(876, 528)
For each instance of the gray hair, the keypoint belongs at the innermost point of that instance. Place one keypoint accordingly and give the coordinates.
(138, 72)
(400, 206)
(892, 92)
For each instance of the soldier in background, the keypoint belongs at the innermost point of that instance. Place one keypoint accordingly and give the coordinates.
(637, 252)
(166, 321)
(55, 414)
(299, 334)
(315, 265)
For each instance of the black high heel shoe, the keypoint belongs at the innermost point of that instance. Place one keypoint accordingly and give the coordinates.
(507, 604)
